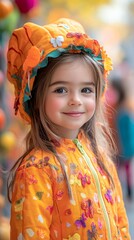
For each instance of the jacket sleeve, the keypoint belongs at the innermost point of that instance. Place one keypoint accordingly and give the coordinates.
(32, 204)
(123, 224)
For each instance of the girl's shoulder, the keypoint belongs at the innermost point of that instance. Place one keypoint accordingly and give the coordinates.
(38, 158)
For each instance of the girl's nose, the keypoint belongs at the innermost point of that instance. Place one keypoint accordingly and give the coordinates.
(74, 100)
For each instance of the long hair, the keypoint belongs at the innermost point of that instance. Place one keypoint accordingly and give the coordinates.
(96, 129)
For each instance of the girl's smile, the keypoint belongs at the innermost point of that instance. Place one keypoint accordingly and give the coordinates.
(71, 98)
(73, 114)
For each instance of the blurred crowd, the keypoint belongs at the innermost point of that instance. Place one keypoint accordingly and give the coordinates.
(119, 96)
(120, 113)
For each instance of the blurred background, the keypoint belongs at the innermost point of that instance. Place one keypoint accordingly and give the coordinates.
(111, 22)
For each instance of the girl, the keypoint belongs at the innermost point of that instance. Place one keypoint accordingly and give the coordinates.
(64, 186)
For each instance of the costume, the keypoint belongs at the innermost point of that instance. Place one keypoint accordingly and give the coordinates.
(41, 208)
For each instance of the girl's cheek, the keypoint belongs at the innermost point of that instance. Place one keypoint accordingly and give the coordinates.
(92, 105)
(57, 103)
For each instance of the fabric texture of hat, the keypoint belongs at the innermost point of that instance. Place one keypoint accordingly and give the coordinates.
(31, 45)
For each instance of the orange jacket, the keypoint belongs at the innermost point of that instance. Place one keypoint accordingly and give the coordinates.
(41, 208)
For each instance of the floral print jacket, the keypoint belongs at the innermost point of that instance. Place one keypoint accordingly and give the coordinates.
(42, 209)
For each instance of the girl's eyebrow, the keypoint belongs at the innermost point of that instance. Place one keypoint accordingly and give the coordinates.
(65, 83)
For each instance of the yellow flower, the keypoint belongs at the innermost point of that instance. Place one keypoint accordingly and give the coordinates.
(75, 180)
(107, 61)
(19, 205)
(76, 236)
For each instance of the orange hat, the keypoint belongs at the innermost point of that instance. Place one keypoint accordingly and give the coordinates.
(31, 45)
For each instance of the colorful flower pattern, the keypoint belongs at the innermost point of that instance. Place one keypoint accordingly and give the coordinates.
(41, 208)
(85, 179)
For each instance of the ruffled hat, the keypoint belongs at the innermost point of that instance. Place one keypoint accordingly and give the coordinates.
(31, 45)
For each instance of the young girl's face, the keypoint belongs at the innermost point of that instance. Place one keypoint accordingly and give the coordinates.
(71, 98)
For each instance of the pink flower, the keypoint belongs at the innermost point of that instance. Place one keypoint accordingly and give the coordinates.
(85, 179)
(108, 196)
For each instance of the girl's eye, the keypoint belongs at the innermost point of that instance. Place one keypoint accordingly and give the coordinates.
(86, 90)
(60, 90)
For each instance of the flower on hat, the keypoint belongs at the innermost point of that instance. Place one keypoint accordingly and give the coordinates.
(75, 34)
(107, 62)
(57, 42)
(85, 41)
(32, 59)
(79, 38)
(93, 45)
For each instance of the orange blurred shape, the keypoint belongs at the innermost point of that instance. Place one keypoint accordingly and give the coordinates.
(2, 119)
(6, 7)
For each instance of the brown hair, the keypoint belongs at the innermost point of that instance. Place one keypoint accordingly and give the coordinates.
(41, 126)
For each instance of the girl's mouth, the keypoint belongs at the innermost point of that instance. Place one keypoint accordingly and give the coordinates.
(73, 114)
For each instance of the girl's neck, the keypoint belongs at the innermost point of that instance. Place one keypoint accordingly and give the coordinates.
(62, 134)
